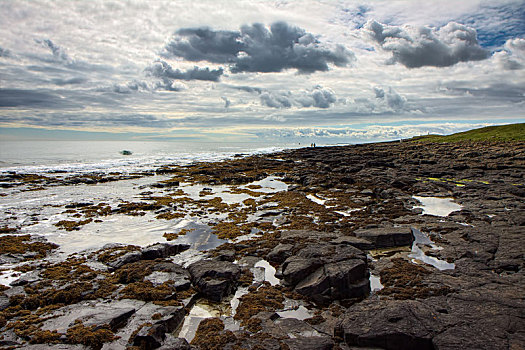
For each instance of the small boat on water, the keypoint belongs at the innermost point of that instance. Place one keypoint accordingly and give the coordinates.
(126, 152)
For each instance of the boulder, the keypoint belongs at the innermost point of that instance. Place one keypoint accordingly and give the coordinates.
(176, 344)
(390, 324)
(295, 269)
(153, 336)
(359, 243)
(280, 253)
(310, 343)
(55, 347)
(162, 250)
(215, 279)
(387, 237)
(485, 317)
(326, 272)
(115, 314)
(149, 332)
(177, 276)
(4, 302)
(124, 259)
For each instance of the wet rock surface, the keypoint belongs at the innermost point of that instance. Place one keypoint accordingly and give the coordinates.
(386, 237)
(215, 279)
(327, 272)
(348, 212)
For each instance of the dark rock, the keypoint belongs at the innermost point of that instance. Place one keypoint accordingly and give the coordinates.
(18, 290)
(387, 237)
(295, 269)
(226, 255)
(28, 278)
(176, 344)
(54, 347)
(125, 259)
(327, 272)
(162, 250)
(4, 302)
(288, 328)
(150, 337)
(336, 281)
(180, 278)
(310, 343)
(390, 324)
(214, 278)
(170, 183)
(93, 313)
(490, 318)
(359, 243)
(158, 332)
(280, 253)
(78, 205)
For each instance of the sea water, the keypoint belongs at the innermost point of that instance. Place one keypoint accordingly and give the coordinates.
(105, 156)
(38, 212)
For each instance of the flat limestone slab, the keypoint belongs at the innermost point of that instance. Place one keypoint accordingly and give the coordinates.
(387, 237)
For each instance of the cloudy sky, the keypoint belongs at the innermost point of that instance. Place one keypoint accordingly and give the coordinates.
(334, 71)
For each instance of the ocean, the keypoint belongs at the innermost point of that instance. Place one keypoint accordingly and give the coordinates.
(105, 156)
(38, 212)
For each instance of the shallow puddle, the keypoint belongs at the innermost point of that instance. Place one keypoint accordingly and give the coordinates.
(294, 310)
(375, 283)
(8, 276)
(422, 239)
(270, 184)
(437, 206)
(200, 311)
(316, 199)
(268, 273)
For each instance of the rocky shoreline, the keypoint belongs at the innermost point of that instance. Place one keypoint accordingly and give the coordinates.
(296, 265)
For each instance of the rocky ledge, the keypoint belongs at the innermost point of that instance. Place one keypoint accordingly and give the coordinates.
(349, 257)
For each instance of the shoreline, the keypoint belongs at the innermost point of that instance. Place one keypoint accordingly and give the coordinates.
(346, 213)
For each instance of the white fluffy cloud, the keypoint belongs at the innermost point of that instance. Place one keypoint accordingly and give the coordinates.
(370, 133)
(513, 55)
(317, 97)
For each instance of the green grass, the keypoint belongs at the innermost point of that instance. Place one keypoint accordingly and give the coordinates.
(512, 132)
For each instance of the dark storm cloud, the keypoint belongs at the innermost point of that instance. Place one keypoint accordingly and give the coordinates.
(70, 81)
(505, 92)
(227, 102)
(5, 52)
(245, 88)
(319, 97)
(256, 48)
(163, 70)
(67, 119)
(32, 99)
(58, 52)
(424, 46)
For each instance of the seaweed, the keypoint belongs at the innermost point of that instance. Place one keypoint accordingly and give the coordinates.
(266, 298)
(146, 291)
(405, 280)
(94, 336)
(21, 244)
(210, 335)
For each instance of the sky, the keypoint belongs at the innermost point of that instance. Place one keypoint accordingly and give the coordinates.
(274, 71)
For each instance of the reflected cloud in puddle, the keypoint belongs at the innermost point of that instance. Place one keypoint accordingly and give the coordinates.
(422, 239)
(375, 283)
(437, 206)
(267, 274)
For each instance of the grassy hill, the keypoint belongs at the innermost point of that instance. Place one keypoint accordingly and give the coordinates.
(512, 132)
